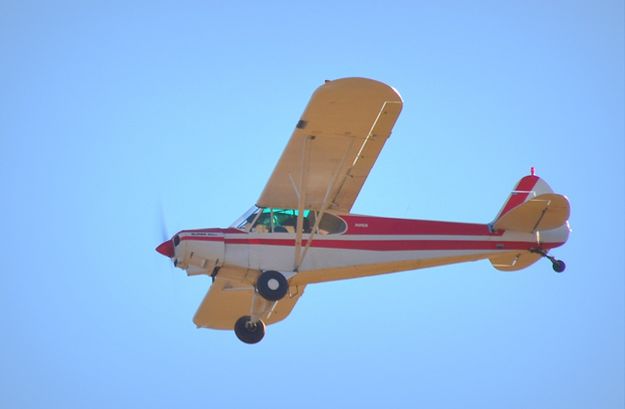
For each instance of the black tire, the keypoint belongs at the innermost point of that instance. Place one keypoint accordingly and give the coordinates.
(248, 332)
(272, 285)
(559, 266)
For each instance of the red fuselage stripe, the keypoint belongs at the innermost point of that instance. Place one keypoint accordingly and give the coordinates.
(523, 188)
(365, 225)
(385, 245)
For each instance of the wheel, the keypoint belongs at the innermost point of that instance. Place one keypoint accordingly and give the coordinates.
(559, 266)
(248, 331)
(272, 285)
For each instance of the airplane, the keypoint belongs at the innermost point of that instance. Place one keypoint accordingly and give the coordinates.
(301, 231)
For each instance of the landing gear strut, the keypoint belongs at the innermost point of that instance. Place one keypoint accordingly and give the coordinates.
(558, 265)
(271, 287)
(249, 331)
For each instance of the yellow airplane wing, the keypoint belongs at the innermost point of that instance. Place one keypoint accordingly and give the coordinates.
(334, 146)
(231, 296)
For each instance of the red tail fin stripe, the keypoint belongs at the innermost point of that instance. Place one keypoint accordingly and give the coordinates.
(520, 193)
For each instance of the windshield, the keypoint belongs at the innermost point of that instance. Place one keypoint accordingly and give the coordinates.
(245, 221)
(274, 220)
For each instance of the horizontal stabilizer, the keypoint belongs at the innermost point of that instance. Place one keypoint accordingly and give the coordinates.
(513, 262)
(544, 212)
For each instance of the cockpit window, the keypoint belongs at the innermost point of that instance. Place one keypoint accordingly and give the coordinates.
(330, 224)
(273, 220)
(279, 221)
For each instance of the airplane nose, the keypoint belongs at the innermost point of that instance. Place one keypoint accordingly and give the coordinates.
(166, 248)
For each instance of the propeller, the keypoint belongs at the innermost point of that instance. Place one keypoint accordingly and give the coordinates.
(166, 248)
(163, 224)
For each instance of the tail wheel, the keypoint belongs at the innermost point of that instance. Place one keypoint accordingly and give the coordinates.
(248, 331)
(272, 285)
(558, 266)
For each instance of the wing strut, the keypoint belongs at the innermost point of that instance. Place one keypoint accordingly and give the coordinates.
(301, 199)
(299, 253)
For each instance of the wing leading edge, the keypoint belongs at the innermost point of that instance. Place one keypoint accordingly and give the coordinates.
(334, 146)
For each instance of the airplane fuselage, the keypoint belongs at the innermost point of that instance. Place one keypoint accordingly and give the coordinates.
(368, 246)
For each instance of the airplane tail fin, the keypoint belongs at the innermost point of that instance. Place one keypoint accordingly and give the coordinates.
(533, 208)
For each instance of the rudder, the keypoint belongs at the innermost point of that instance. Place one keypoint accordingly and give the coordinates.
(532, 206)
(528, 187)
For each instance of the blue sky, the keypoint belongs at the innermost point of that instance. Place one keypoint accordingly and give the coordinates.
(110, 111)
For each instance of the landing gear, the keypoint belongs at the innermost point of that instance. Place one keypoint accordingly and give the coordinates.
(249, 331)
(272, 285)
(558, 265)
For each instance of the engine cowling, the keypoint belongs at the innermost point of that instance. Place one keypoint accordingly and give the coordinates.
(198, 252)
